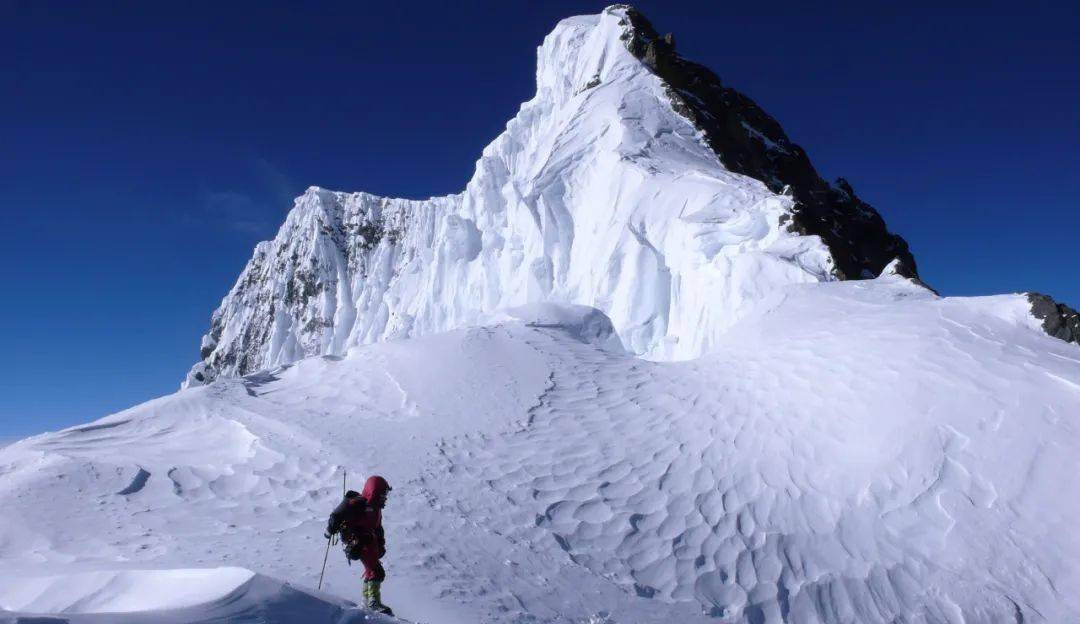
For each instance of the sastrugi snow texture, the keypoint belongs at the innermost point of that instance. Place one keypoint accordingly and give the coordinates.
(795, 447)
(866, 452)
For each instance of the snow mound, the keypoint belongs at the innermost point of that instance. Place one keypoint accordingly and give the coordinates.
(174, 596)
(586, 324)
(122, 591)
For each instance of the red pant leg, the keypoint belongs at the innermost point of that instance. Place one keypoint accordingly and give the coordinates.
(373, 570)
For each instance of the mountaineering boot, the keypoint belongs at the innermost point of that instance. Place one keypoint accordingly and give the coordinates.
(373, 598)
(367, 593)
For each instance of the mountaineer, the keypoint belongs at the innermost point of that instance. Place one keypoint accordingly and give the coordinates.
(358, 519)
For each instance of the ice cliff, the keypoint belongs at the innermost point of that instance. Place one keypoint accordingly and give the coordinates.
(633, 182)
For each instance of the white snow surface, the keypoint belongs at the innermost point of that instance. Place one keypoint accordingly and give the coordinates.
(178, 596)
(606, 385)
(601, 196)
(864, 452)
(120, 591)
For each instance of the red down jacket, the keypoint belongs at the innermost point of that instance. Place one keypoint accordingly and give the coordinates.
(359, 519)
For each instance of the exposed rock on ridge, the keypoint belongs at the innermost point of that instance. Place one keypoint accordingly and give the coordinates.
(750, 142)
(297, 289)
(1058, 319)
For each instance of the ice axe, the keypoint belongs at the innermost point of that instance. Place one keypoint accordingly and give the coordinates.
(329, 540)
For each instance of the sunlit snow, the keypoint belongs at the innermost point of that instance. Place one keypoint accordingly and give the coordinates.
(792, 448)
(599, 196)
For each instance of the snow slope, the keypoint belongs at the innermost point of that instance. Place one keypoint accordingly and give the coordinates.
(195, 596)
(598, 193)
(790, 448)
(864, 452)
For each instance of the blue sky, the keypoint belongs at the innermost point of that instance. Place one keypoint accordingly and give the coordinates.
(146, 147)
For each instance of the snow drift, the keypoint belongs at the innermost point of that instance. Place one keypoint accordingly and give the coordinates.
(178, 596)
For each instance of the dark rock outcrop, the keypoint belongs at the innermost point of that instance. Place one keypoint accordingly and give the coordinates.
(750, 142)
(1058, 319)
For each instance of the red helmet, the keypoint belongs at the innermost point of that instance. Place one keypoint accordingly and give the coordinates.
(375, 489)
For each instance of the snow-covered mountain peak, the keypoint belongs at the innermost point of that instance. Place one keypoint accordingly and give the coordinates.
(632, 182)
(841, 451)
(598, 193)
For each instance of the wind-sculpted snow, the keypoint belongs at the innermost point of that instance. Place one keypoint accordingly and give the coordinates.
(598, 193)
(195, 596)
(865, 452)
(810, 481)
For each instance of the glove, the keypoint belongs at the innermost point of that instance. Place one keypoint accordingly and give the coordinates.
(327, 534)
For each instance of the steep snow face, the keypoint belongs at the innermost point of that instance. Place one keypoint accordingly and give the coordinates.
(866, 452)
(598, 193)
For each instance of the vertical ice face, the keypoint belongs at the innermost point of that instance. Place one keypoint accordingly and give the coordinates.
(606, 190)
